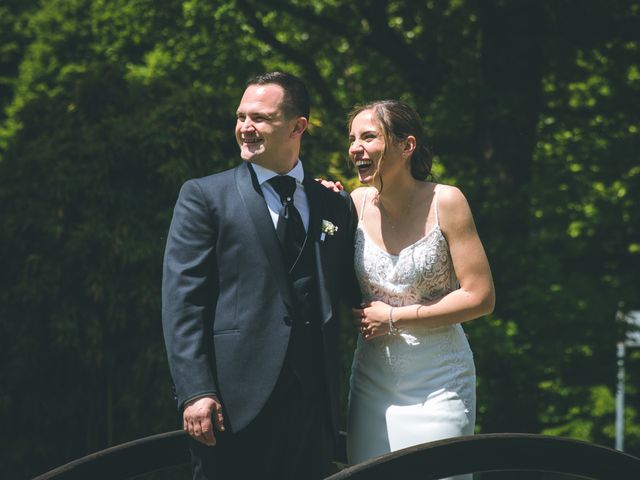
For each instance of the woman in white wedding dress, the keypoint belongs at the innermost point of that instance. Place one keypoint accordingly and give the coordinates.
(423, 271)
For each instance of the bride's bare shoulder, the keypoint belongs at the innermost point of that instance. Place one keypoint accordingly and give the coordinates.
(360, 193)
(450, 196)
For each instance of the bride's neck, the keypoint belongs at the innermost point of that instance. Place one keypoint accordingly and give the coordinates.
(398, 198)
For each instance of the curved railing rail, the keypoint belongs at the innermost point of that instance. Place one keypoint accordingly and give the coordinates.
(500, 452)
(428, 461)
(127, 460)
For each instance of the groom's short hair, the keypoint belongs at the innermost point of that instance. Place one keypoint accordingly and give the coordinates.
(296, 97)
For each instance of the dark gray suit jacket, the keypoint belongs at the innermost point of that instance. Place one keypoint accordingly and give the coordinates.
(227, 303)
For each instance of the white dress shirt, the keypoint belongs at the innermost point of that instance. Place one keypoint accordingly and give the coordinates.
(272, 198)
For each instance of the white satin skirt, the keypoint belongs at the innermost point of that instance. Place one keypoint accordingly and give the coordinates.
(410, 389)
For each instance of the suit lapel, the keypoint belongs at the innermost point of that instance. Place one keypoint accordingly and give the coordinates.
(251, 195)
(316, 208)
(316, 214)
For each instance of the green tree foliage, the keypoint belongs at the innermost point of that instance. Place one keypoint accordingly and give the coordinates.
(108, 106)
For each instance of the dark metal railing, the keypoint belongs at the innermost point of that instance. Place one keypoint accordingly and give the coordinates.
(127, 459)
(501, 452)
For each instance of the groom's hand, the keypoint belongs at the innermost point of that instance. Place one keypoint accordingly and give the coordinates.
(200, 414)
(331, 185)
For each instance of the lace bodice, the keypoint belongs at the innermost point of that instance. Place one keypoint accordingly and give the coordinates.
(421, 272)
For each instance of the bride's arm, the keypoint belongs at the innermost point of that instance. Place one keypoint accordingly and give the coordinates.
(474, 298)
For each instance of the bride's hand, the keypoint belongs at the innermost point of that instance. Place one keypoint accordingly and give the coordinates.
(372, 319)
(335, 186)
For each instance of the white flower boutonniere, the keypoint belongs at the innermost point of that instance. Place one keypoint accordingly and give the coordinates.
(328, 228)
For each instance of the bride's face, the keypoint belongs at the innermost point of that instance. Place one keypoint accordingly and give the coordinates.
(367, 146)
(370, 153)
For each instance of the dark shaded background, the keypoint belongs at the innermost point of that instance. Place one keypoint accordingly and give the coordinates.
(108, 106)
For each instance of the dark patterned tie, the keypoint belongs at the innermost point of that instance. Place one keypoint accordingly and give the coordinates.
(290, 229)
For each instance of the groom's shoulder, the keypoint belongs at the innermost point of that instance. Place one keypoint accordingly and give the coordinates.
(217, 181)
(211, 187)
(222, 176)
(334, 201)
(327, 194)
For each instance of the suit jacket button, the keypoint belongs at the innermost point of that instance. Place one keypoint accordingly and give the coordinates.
(307, 323)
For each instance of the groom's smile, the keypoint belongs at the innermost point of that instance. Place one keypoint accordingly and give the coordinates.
(252, 142)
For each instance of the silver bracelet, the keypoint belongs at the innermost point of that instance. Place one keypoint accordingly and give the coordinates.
(393, 330)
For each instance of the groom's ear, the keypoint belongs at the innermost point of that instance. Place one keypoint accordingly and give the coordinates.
(299, 127)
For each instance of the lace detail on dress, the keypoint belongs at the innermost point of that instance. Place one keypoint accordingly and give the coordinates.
(421, 272)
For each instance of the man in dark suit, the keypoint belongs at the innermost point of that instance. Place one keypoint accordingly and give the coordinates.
(256, 260)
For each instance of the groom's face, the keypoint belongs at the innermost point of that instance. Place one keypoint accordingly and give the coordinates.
(263, 132)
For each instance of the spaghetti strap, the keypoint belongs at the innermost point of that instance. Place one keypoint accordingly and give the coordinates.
(364, 202)
(435, 201)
